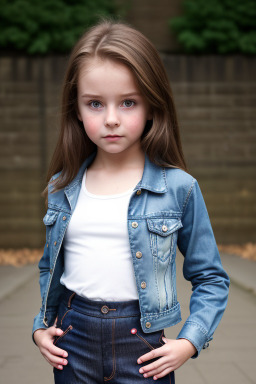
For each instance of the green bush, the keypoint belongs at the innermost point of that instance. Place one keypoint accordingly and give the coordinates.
(217, 26)
(48, 26)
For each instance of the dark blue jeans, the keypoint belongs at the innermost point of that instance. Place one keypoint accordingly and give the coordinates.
(101, 347)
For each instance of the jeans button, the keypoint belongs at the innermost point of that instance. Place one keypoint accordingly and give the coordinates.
(104, 309)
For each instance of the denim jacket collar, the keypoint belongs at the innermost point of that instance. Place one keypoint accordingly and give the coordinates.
(153, 178)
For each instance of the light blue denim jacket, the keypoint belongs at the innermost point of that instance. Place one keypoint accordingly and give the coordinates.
(166, 210)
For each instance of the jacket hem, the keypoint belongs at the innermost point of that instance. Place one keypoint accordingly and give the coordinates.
(161, 320)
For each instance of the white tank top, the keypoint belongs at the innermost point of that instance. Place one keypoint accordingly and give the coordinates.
(97, 256)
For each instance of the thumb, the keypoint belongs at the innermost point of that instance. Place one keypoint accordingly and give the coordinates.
(56, 331)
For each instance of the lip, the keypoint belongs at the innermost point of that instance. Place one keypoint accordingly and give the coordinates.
(112, 137)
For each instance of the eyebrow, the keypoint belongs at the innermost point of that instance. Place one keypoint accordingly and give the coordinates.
(123, 95)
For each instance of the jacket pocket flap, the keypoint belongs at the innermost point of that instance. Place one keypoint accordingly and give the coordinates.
(50, 217)
(164, 227)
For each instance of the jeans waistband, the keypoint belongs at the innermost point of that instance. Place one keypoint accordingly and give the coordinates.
(104, 309)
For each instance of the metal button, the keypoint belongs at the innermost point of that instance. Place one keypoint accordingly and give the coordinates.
(143, 284)
(135, 224)
(138, 255)
(104, 309)
(138, 192)
(64, 218)
(55, 242)
(47, 245)
(148, 324)
(164, 228)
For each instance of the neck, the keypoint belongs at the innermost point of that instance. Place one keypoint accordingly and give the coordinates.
(118, 161)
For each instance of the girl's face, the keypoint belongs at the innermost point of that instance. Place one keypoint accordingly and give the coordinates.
(111, 107)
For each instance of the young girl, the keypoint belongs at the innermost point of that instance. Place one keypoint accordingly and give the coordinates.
(120, 201)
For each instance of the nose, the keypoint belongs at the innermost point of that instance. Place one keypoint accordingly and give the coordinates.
(112, 119)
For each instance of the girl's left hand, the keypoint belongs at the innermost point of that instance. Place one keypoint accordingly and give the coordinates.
(172, 355)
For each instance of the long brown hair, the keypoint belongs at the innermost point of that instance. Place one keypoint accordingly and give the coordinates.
(161, 137)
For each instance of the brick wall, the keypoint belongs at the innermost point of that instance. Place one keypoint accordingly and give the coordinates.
(215, 99)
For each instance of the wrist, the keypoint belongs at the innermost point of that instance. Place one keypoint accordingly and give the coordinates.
(191, 349)
(37, 334)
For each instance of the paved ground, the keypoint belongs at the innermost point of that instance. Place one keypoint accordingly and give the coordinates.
(230, 359)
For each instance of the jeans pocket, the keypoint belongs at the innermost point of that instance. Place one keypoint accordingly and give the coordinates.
(151, 340)
(63, 322)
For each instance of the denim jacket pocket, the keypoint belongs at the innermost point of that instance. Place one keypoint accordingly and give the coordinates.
(163, 236)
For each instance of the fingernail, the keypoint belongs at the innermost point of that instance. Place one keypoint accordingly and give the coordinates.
(60, 367)
(164, 340)
(154, 378)
(141, 370)
(65, 354)
(138, 361)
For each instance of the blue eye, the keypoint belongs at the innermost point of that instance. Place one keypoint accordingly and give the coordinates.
(95, 104)
(128, 103)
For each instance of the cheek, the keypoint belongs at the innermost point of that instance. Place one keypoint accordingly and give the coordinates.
(91, 125)
(137, 124)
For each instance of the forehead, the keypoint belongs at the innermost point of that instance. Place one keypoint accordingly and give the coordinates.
(106, 73)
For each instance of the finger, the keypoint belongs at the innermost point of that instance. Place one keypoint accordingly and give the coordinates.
(163, 373)
(157, 371)
(151, 355)
(53, 331)
(153, 366)
(58, 351)
(53, 364)
(60, 367)
(55, 359)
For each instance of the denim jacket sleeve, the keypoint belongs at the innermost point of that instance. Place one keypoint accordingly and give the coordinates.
(202, 267)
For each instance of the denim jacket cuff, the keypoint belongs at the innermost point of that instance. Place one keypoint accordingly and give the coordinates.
(196, 334)
(38, 324)
(39, 320)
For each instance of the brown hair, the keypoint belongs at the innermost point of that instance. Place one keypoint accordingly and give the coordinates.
(161, 137)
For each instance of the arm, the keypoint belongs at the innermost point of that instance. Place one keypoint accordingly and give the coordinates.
(202, 266)
(210, 283)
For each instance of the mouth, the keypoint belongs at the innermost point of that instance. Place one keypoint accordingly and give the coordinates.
(112, 137)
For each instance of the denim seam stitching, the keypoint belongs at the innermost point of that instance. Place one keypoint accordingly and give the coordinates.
(188, 196)
(198, 326)
(64, 316)
(63, 334)
(113, 353)
(145, 341)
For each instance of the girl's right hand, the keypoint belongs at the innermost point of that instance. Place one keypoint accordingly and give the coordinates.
(44, 339)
